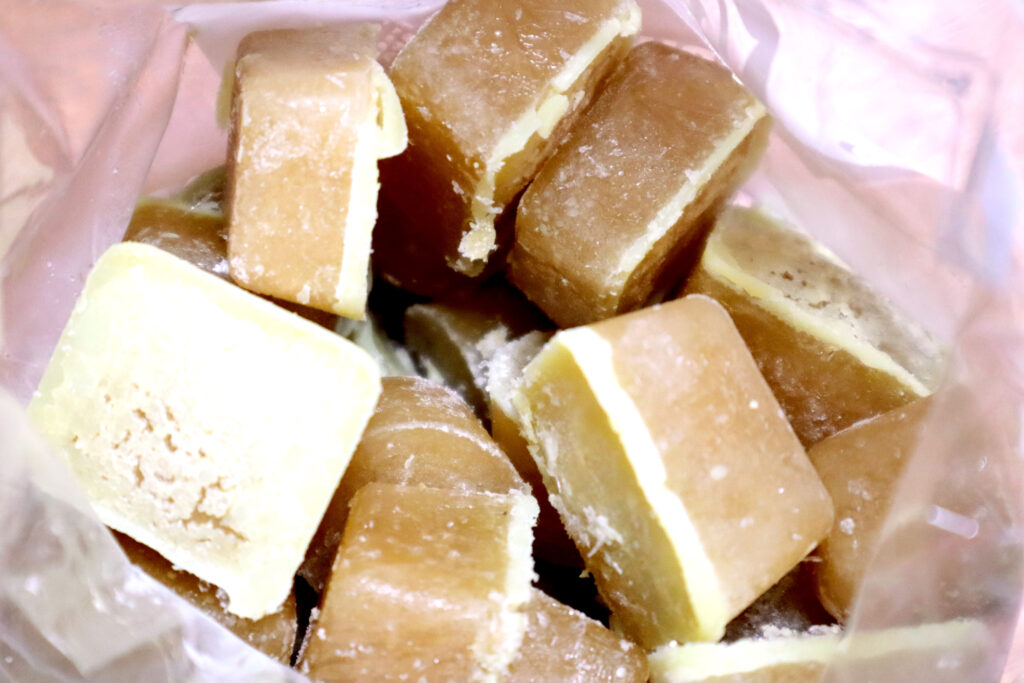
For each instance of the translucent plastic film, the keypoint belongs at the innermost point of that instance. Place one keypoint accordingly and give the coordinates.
(888, 146)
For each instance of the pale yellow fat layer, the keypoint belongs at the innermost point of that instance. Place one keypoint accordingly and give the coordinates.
(671, 211)
(478, 243)
(693, 662)
(593, 354)
(381, 135)
(512, 619)
(725, 270)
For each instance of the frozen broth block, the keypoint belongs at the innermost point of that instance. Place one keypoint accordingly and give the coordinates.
(488, 89)
(420, 433)
(203, 421)
(312, 113)
(562, 645)
(611, 216)
(672, 467)
(861, 466)
(274, 634)
(197, 234)
(833, 351)
(429, 584)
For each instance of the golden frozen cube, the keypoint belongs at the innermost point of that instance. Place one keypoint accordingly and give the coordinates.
(312, 113)
(191, 226)
(614, 215)
(562, 645)
(861, 466)
(833, 351)
(273, 635)
(185, 406)
(488, 90)
(428, 585)
(195, 234)
(672, 466)
(420, 433)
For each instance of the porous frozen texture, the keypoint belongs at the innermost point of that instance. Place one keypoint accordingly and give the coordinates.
(312, 112)
(274, 634)
(946, 652)
(672, 466)
(610, 217)
(421, 433)
(488, 90)
(429, 584)
(202, 421)
(861, 467)
(833, 351)
(562, 645)
(505, 371)
(458, 338)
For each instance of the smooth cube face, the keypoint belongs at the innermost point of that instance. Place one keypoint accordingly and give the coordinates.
(609, 217)
(833, 351)
(861, 467)
(312, 113)
(421, 433)
(672, 466)
(202, 421)
(427, 583)
(488, 91)
(564, 645)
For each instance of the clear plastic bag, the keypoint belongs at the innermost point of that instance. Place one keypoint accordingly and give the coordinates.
(887, 147)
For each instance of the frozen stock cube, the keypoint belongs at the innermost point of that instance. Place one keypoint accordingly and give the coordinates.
(614, 214)
(312, 113)
(203, 421)
(833, 351)
(420, 433)
(428, 584)
(488, 90)
(672, 466)
(567, 646)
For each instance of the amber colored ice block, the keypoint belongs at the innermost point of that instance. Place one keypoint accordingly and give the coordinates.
(861, 467)
(672, 467)
(191, 226)
(488, 90)
(429, 584)
(562, 645)
(944, 652)
(456, 339)
(420, 433)
(197, 235)
(833, 351)
(185, 406)
(312, 112)
(505, 371)
(610, 217)
(274, 634)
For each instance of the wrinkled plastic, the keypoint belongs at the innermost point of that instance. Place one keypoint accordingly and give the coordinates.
(888, 147)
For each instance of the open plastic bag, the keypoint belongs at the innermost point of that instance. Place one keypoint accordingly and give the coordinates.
(887, 148)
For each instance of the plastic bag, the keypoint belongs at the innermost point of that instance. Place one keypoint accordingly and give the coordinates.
(885, 148)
